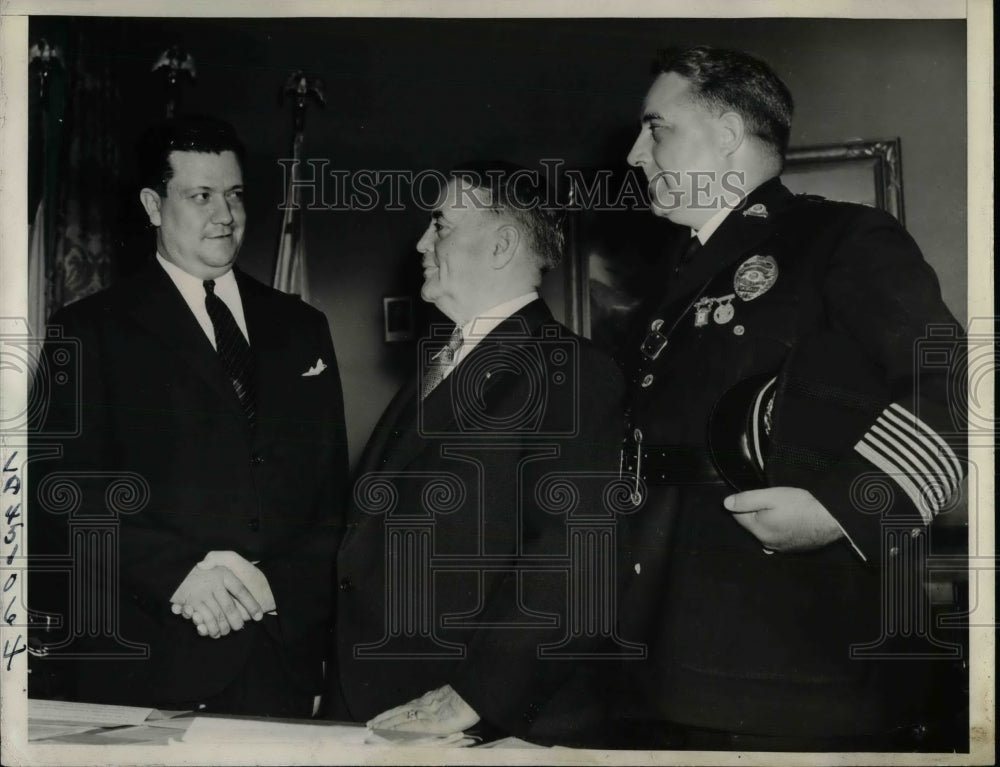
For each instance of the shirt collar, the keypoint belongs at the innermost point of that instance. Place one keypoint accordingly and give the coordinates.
(486, 322)
(709, 227)
(476, 329)
(188, 284)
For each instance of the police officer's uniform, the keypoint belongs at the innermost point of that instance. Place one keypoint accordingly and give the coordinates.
(743, 640)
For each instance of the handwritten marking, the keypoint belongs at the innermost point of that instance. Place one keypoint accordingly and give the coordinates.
(11, 486)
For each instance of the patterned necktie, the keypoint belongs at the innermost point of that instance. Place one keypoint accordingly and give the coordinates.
(233, 349)
(690, 251)
(440, 363)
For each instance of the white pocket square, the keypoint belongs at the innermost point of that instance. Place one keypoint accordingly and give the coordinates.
(316, 369)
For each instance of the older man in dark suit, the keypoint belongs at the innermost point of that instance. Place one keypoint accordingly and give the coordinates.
(511, 426)
(220, 398)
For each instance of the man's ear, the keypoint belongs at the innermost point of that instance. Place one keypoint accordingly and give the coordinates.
(150, 200)
(731, 132)
(508, 237)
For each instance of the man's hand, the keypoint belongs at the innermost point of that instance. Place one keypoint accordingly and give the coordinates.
(784, 518)
(438, 712)
(251, 575)
(206, 596)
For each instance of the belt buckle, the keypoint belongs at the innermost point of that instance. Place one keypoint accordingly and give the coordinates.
(625, 468)
(654, 343)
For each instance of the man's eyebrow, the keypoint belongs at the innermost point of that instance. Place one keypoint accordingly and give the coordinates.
(209, 187)
(648, 117)
(438, 215)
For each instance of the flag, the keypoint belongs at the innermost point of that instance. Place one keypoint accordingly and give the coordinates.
(37, 305)
(290, 270)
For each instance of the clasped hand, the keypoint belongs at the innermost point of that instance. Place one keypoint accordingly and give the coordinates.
(222, 593)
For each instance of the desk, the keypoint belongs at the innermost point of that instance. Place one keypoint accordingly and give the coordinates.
(53, 722)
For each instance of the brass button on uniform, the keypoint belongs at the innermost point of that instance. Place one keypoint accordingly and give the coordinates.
(647, 381)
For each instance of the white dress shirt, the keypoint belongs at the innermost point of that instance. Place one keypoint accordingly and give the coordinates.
(192, 290)
(480, 326)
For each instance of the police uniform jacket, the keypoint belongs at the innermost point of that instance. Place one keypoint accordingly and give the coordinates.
(741, 639)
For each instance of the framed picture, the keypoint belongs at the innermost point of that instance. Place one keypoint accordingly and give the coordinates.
(398, 318)
(868, 172)
(615, 251)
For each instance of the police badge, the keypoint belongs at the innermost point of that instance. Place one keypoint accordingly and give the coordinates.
(755, 277)
(759, 210)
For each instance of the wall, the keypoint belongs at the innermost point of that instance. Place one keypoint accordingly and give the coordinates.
(418, 93)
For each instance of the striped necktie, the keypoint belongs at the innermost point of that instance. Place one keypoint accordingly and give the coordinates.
(233, 349)
(439, 365)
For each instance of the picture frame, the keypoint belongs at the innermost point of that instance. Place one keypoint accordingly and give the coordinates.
(398, 318)
(867, 172)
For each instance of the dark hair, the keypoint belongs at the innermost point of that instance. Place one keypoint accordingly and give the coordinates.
(523, 196)
(188, 133)
(727, 80)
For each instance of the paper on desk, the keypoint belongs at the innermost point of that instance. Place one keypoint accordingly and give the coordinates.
(510, 742)
(93, 714)
(213, 729)
(41, 730)
(403, 738)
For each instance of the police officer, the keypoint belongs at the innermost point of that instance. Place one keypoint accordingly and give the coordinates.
(751, 602)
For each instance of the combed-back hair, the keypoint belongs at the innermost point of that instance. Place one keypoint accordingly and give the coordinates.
(187, 133)
(522, 195)
(726, 80)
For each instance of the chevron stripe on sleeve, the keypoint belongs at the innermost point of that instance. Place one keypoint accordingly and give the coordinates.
(915, 457)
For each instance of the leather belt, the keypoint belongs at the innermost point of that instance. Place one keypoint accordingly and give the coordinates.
(671, 464)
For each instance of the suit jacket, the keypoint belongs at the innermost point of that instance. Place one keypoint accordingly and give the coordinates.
(743, 640)
(466, 477)
(157, 412)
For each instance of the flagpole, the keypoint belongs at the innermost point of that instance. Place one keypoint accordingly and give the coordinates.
(174, 63)
(290, 275)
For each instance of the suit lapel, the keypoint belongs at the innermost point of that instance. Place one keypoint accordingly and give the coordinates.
(399, 417)
(437, 414)
(158, 306)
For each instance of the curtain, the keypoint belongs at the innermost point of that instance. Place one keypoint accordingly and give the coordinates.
(75, 198)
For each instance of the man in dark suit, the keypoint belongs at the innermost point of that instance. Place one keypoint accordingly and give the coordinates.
(454, 605)
(216, 400)
(757, 605)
